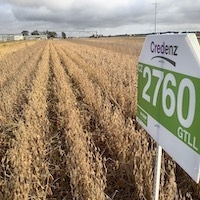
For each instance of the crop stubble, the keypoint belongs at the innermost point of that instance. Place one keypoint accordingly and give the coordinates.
(68, 129)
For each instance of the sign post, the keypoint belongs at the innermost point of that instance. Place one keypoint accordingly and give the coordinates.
(169, 96)
(157, 172)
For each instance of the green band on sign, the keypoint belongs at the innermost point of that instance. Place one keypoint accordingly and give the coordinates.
(171, 99)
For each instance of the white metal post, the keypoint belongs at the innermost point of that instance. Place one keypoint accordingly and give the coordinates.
(157, 172)
(156, 6)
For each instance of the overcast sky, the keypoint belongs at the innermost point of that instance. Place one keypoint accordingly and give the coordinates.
(104, 16)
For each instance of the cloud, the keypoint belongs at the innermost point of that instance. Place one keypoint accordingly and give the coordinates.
(90, 14)
(115, 12)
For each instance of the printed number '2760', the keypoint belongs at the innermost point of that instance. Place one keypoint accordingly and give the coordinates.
(165, 83)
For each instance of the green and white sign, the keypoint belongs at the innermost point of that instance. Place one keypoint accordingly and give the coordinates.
(169, 96)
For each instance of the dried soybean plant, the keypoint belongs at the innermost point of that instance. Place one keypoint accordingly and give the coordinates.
(111, 80)
(117, 132)
(85, 165)
(68, 128)
(24, 161)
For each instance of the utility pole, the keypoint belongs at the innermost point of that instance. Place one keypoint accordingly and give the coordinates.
(156, 6)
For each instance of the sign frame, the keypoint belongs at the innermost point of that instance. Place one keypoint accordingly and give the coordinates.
(169, 96)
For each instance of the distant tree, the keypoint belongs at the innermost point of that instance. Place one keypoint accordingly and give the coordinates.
(63, 35)
(35, 32)
(51, 34)
(25, 33)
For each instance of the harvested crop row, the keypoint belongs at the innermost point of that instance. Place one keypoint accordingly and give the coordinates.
(59, 184)
(117, 130)
(7, 48)
(25, 160)
(111, 129)
(13, 92)
(84, 163)
(9, 66)
(116, 80)
(126, 46)
(14, 98)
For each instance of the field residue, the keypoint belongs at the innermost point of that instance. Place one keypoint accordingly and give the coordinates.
(67, 124)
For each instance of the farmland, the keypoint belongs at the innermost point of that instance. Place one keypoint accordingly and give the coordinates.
(67, 124)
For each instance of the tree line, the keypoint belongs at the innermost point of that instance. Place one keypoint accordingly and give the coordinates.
(50, 34)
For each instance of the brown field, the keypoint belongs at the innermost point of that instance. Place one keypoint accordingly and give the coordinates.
(67, 124)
